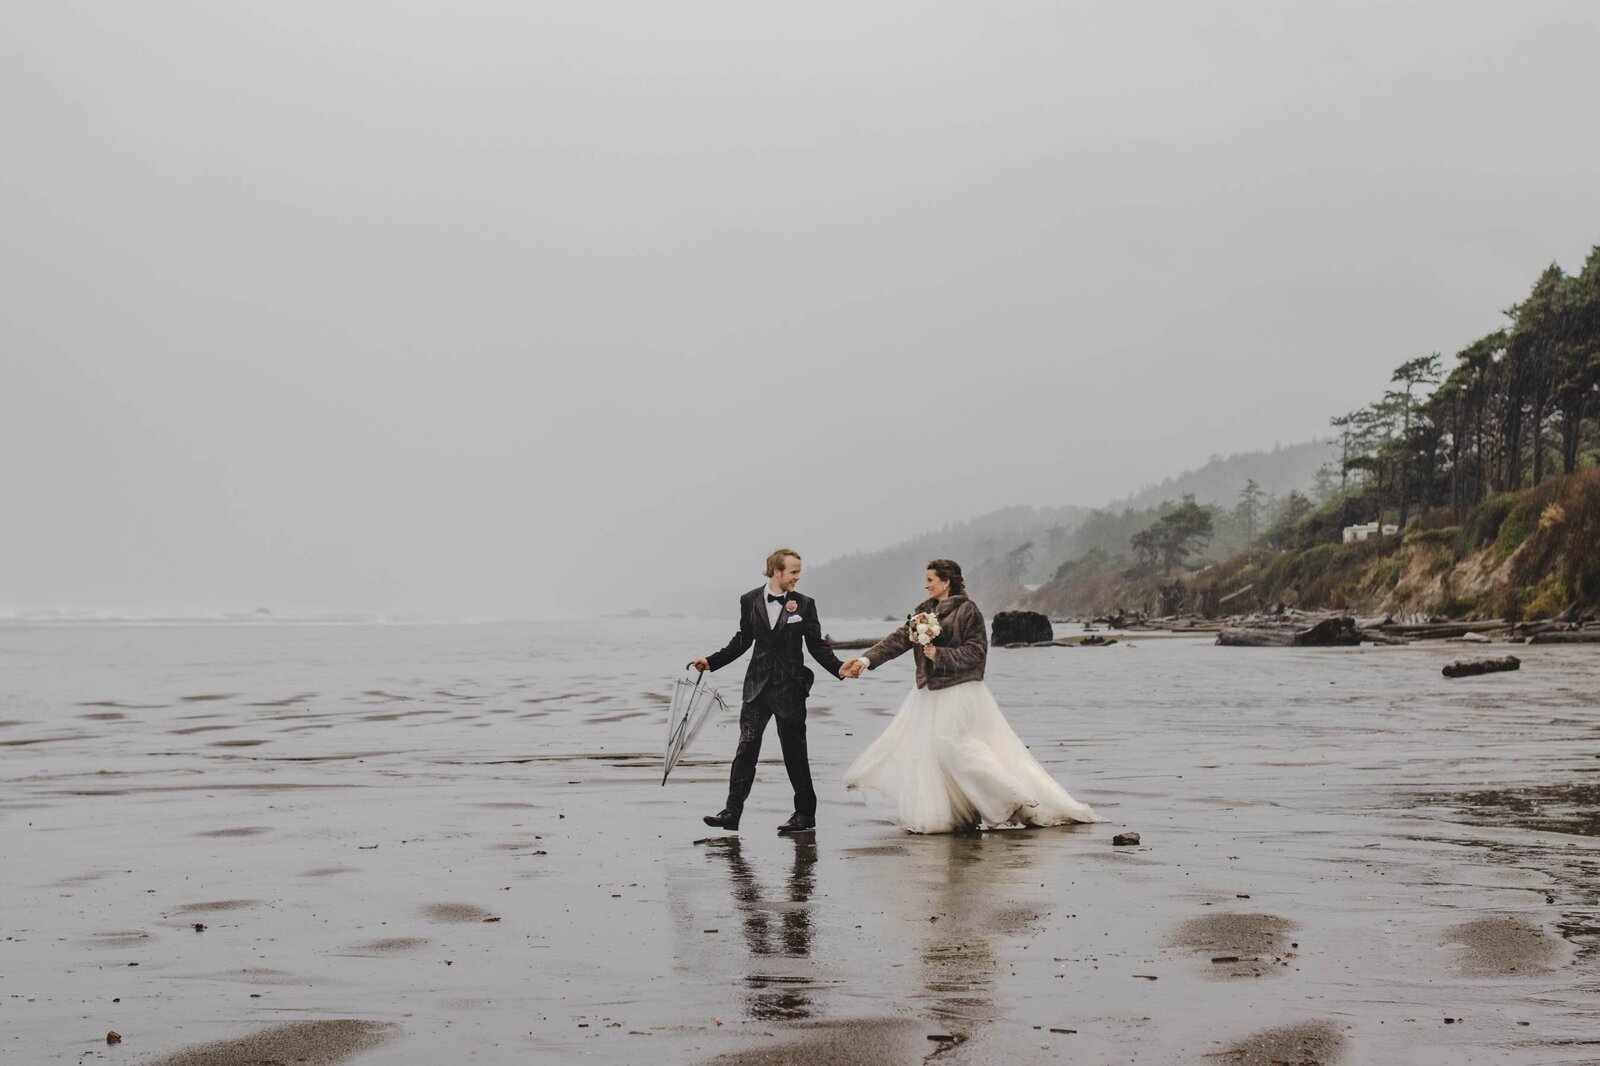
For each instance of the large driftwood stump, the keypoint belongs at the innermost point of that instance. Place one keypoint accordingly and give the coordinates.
(1020, 627)
(1469, 667)
(1337, 632)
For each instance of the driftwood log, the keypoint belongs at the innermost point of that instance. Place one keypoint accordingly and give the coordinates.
(1569, 636)
(1443, 630)
(1339, 632)
(1379, 636)
(1469, 667)
(1236, 593)
(1256, 637)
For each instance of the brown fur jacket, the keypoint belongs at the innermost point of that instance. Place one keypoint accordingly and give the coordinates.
(963, 645)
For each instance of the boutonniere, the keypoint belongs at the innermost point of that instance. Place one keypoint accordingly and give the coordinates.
(791, 607)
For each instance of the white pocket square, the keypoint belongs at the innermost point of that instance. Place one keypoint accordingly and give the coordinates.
(793, 618)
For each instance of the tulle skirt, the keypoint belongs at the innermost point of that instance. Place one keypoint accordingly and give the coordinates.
(950, 760)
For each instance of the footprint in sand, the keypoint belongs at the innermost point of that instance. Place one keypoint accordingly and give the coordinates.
(1502, 946)
(262, 975)
(217, 905)
(455, 912)
(122, 938)
(323, 1041)
(1252, 944)
(1307, 1042)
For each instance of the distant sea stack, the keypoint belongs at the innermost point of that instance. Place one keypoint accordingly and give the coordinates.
(1020, 627)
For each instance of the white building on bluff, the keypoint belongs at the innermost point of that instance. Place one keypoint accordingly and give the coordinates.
(1371, 529)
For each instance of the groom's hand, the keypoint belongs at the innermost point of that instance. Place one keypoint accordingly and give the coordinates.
(701, 665)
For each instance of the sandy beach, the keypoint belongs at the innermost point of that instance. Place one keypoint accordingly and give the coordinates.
(420, 844)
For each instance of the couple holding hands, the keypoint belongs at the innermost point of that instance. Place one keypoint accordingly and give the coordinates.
(948, 761)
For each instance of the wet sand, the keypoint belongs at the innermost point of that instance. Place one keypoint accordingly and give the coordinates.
(450, 843)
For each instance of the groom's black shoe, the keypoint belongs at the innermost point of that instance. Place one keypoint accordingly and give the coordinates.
(798, 823)
(723, 819)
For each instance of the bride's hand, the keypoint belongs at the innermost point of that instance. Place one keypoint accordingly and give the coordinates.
(930, 651)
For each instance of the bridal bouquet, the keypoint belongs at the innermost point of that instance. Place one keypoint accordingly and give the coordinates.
(923, 627)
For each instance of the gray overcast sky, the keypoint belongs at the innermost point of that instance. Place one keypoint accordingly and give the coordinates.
(515, 309)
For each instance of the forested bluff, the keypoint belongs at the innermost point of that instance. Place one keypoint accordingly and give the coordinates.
(1484, 465)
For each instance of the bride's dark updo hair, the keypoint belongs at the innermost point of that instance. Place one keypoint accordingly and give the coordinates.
(949, 570)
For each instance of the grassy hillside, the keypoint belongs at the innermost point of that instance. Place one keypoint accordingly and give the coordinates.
(1527, 554)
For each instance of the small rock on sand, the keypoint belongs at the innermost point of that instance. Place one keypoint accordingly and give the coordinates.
(1125, 840)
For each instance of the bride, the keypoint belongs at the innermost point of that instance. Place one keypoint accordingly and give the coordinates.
(949, 760)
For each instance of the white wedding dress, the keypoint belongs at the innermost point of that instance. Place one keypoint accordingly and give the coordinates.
(949, 760)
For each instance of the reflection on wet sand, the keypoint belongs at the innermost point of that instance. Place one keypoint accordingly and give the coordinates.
(956, 897)
(960, 896)
(774, 930)
(962, 874)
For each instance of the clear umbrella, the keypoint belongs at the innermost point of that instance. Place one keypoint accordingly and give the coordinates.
(692, 704)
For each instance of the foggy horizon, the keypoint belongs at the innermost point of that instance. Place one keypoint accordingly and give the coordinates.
(509, 311)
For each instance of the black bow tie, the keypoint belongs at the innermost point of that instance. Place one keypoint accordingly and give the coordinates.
(775, 599)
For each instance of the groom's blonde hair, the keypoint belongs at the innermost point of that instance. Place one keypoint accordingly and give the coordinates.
(776, 561)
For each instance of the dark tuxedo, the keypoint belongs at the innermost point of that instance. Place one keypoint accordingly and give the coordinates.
(776, 684)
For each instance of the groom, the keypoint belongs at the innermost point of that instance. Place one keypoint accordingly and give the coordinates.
(774, 618)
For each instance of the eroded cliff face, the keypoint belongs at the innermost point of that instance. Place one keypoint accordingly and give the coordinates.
(1430, 580)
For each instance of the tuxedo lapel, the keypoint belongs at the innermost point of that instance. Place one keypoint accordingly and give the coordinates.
(758, 608)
